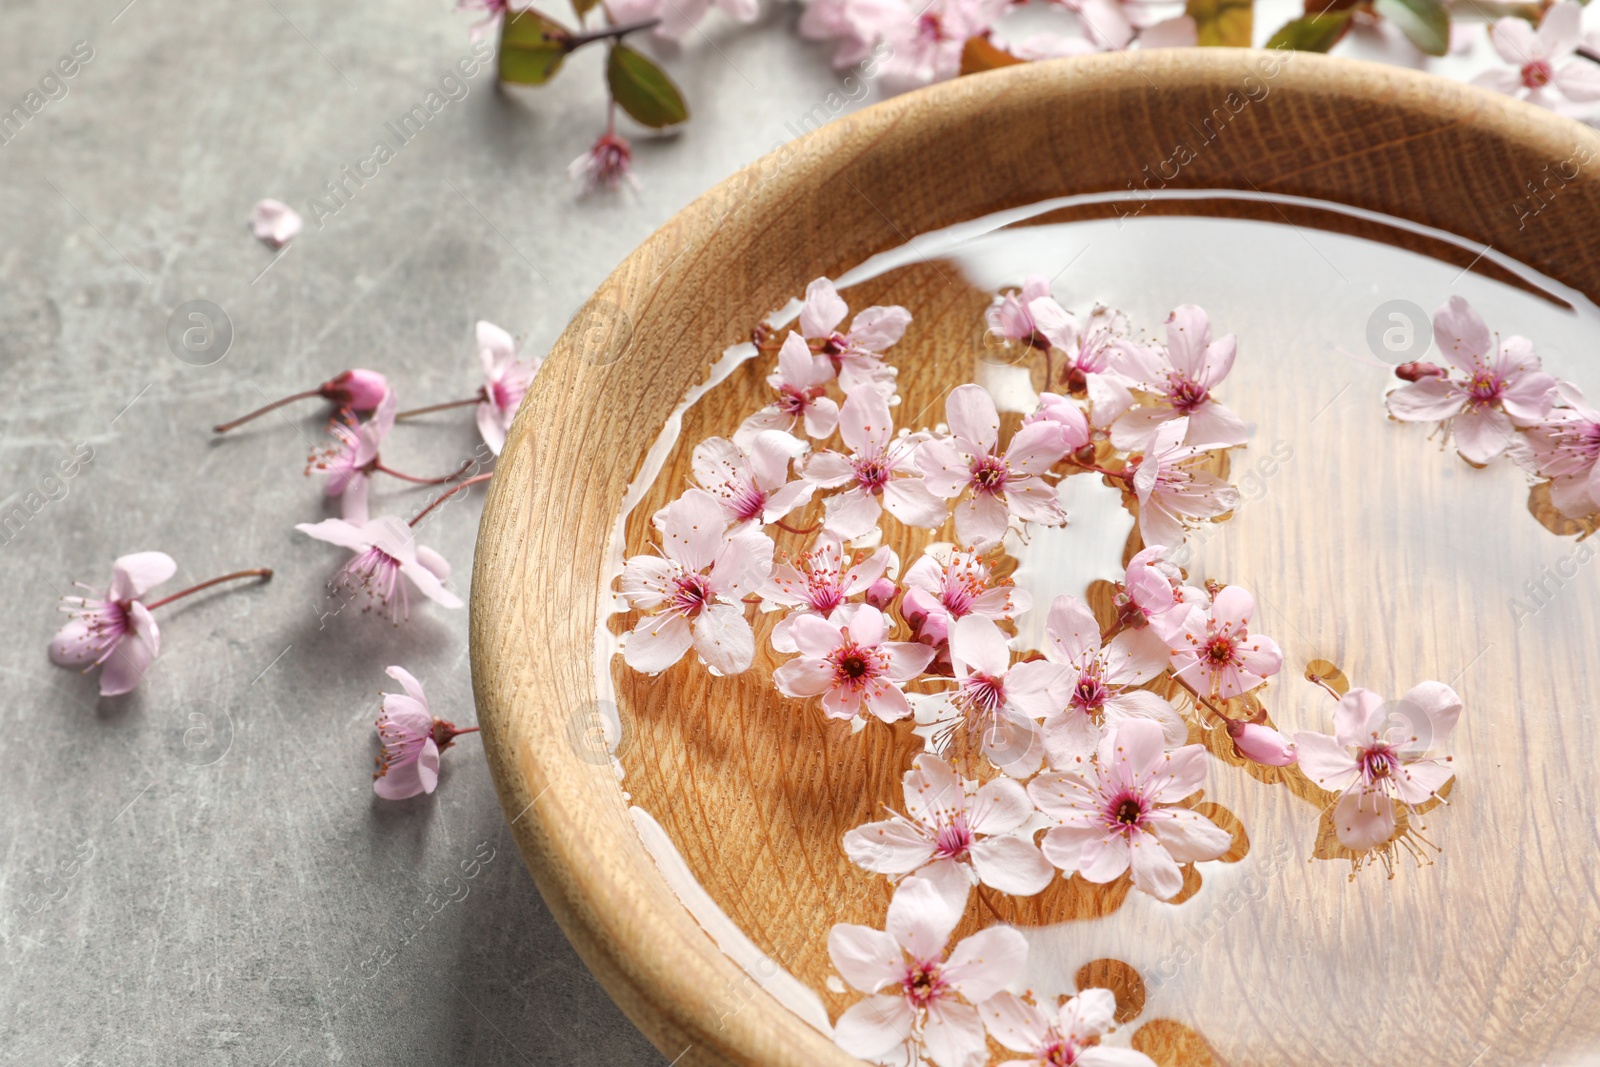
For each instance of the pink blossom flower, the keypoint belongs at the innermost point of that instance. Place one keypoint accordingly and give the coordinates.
(1564, 448)
(1181, 377)
(387, 561)
(858, 25)
(274, 223)
(1089, 347)
(920, 998)
(995, 485)
(1377, 758)
(412, 740)
(818, 584)
(1261, 744)
(1540, 75)
(997, 701)
(801, 381)
(681, 16)
(947, 826)
(356, 390)
(1010, 317)
(1066, 416)
(856, 356)
(693, 592)
(114, 630)
(1152, 602)
(1171, 492)
(1117, 813)
(349, 460)
(1070, 1035)
(505, 383)
(1098, 684)
(851, 666)
(926, 46)
(947, 583)
(880, 472)
(493, 11)
(605, 166)
(1502, 383)
(1219, 656)
(752, 483)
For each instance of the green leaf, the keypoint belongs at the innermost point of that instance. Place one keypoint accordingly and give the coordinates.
(1424, 22)
(531, 47)
(1222, 23)
(1312, 33)
(643, 89)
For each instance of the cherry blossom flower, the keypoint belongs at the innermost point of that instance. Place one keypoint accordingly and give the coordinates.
(605, 166)
(856, 356)
(997, 701)
(1099, 681)
(1117, 813)
(274, 223)
(352, 391)
(1010, 317)
(921, 997)
(1377, 758)
(1171, 492)
(851, 666)
(493, 11)
(1069, 1035)
(114, 630)
(818, 584)
(1564, 448)
(1181, 377)
(800, 381)
(412, 740)
(752, 482)
(948, 583)
(880, 472)
(1219, 656)
(386, 563)
(505, 383)
(1541, 77)
(352, 456)
(692, 593)
(946, 825)
(858, 25)
(1502, 383)
(1261, 744)
(926, 46)
(995, 485)
(1066, 416)
(1152, 601)
(1089, 347)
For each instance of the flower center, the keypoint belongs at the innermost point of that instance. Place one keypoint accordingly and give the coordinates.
(1219, 650)
(1378, 763)
(953, 838)
(984, 692)
(1537, 75)
(792, 401)
(691, 594)
(988, 474)
(1089, 695)
(1485, 388)
(872, 473)
(1185, 395)
(930, 28)
(855, 667)
(923, 983)
(745, 501)
(1059, 1054)
(1129, 812)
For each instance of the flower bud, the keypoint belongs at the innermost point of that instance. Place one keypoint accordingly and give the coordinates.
(1261, 744)
(881, 593)
(1412, 372)
(358, 390)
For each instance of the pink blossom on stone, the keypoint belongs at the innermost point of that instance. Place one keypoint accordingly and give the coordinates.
(113, 630)
(1218, 656)
(274, 223)
(947, 826)
(357, 390)
(1069, 1035)
(1098, 684)
(1172, 492)
(926, 45)
(818, 583)
(879, 473)
(1181, 377)
(851, 666)
(921, 997)
(1117, 813)
(856, 356)
(1544, 68)
(1500, 385)
(1564, 448)
(412, 740)
(801, 383)
(948, 583)
(505, 383)
(348, 461)
(692, 593)
(1010, 318)
(387, 562)
(996, 701)
(1261, 744)
(992, 486)
(858, 25)
(606, 166)
(1066, 416)
(1377, 758)
(752, 482)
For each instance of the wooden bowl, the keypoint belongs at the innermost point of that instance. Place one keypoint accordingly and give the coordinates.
(755, 793)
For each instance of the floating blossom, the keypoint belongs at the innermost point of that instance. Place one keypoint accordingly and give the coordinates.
(752, 482)
(944, 825)
(1067, 417)
(1565, 448)
(818, 584)
(919, 997)
(692, 592)
(880, 472)
(274, 223)
(947, 583)
(856, 356)
(387, 562)
(1152, 601)
(412, 740)
(995, 485)
(605, 166)
(505, 383)
(1089, 348)
(1546, 68)
(997, 701)
(1171, 492)
(1098, 683)
(1261, 744)
(1010, 317)
(1181, 377)
(1377, 758)
(350, 459)
(1116, 813)
(1500, 384)
(801, 382)
(1219, 656)
(1070, 1035)
(114, 630)
(850, 665)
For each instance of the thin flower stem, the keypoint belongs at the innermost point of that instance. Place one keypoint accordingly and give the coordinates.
(264, 573)
(578, 40)
(813, 528)
(453, 490)
(1121, 475)
(459, 730)
(431, 408)
(391, 472)
(989, 904)
(1587, 53)
(1322, 684)
(1224, 716)
(1049, 370)
(224, 427)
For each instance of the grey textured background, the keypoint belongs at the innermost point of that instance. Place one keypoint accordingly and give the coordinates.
(198, 872)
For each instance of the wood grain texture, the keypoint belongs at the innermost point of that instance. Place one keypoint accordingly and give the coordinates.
(1379, 138)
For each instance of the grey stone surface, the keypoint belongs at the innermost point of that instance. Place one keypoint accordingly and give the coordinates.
(198, 872)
